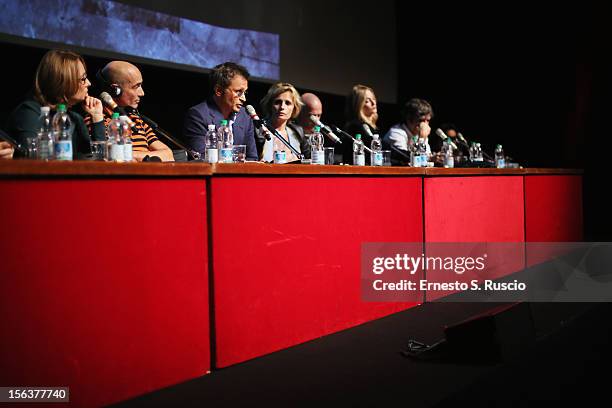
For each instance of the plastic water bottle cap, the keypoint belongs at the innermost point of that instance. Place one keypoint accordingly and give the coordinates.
(358, 136)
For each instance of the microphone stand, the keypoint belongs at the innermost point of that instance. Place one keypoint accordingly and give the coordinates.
(192, 153)
(336, 129)
(282, 139)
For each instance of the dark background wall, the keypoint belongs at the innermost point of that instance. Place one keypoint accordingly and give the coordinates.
(531, 77)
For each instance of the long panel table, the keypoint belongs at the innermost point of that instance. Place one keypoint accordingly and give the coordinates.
(118, 279)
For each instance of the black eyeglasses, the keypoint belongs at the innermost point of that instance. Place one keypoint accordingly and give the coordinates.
(239, 94)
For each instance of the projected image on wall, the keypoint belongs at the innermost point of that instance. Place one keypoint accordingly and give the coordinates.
(104, 25)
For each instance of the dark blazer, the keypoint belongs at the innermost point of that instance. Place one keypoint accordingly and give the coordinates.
(23, 123)
(207, 113)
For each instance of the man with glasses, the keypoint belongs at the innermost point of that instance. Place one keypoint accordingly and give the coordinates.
(229, 84)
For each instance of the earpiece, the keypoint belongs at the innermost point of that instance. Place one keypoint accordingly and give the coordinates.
(113, 89)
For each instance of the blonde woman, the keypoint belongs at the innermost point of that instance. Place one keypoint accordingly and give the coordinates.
(361, 117)
(280, 106)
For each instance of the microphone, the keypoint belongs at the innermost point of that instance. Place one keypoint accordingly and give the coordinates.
(460, 136)
(258, 122)
(342, 132)
(324, 129)
(110, 102)
(261, 124)
(443, 136)
(367, 130)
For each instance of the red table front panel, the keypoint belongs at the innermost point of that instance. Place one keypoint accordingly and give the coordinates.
(553, 210)
(103, 286)
(286, 255)
(487, 209)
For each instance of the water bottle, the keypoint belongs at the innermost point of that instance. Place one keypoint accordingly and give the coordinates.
(126, 137)
(44, 139)
(115, 143)
(500, 158)
(317, 153)
(280, 157)
(422, 153)
(63, 128)
(478, 153)
(447, 150)
(358, 155)
(376, 157)
(414, 158)
(212, 145)
(473, 151)
(226, 140)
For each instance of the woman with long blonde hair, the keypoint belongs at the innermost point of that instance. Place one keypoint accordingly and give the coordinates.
(361, 117)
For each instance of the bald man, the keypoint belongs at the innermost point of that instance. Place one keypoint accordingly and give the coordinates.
(124, 83)
(312, 106)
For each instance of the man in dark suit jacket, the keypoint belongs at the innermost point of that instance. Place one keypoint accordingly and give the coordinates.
(229, 83)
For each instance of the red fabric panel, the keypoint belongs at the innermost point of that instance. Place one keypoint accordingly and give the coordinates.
(103, 286)
(553, 210)
(287, 255)
(474, 209)
(477, 209)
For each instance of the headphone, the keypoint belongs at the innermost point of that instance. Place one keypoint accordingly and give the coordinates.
(113, 89)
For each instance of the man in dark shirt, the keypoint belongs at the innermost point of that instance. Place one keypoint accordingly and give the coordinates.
(229, 84)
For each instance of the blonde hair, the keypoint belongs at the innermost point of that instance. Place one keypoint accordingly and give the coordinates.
(354, 106)
(277, 89)
(57, 77)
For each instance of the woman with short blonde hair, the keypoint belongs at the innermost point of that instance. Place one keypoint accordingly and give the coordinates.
(281, 105)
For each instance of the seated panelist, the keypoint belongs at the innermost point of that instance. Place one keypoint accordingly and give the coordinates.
(123, 82)
(280, 106)
(61, 78)
(229, 83)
